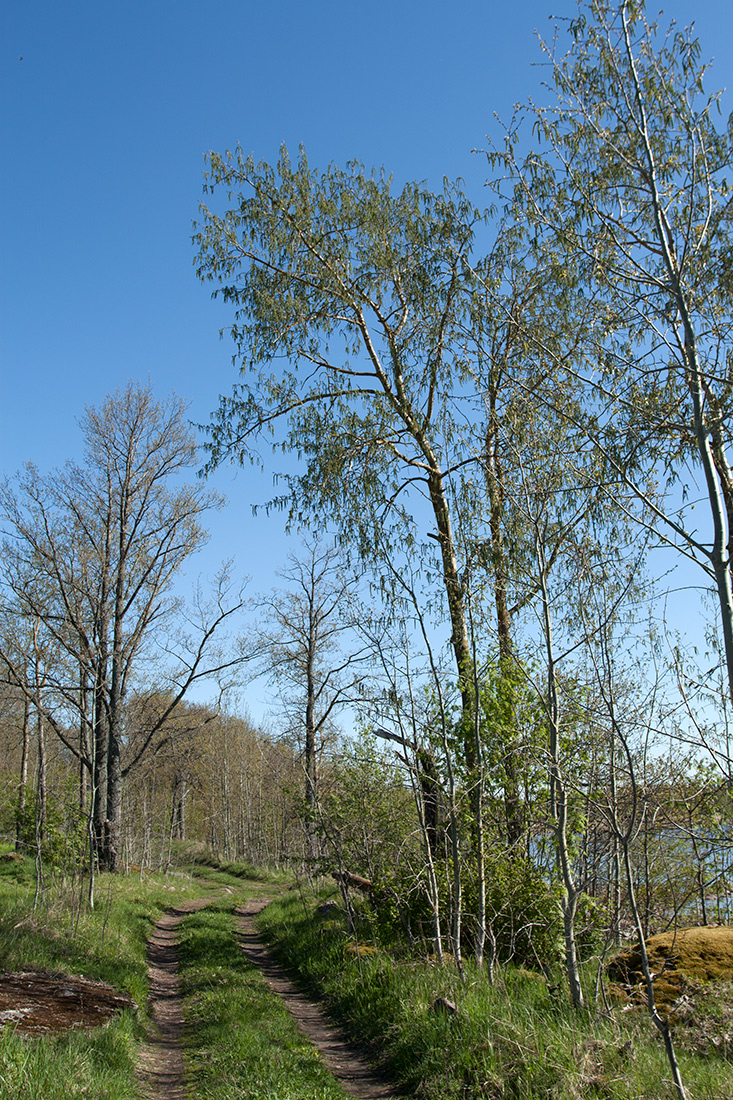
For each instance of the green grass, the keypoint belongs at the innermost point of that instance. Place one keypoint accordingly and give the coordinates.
(515, 1039)
(108, 944)
(98, 1065)
(242, 1043)
(62, 934)
(246, 1042)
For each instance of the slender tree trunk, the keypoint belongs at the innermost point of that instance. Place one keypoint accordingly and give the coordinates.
(23, 778)
(311, 777)
(100, 732)
(92, 848)
(113, 821)
(42, 770)
(459, 640)
(513, 809)
(41, 740)
(84, 747)
(661, 1024)
(709, 436)
(558, 792)
(99, 794)
(615, 876)
(178, 808)
(39, 837)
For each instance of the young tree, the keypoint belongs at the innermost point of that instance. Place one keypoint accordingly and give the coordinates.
(303, 653)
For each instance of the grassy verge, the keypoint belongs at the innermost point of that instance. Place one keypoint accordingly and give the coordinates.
(108, 944)
(242, 1043)
(515, 1039)
(71, 1066)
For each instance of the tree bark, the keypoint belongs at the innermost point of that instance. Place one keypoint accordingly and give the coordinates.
(23, 778)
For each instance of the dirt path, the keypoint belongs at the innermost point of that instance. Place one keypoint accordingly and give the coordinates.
(342, 1058)
(160, 1067)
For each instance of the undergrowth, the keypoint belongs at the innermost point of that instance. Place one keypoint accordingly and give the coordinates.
(518, 1039)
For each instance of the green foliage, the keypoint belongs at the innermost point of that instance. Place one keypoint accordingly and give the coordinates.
(512, 721)
(65, 833)
(523, 913)
(367, 813)
(517, 1038)
(312, 262)
(64, 839)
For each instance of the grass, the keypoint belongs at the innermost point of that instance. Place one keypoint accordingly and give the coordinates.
(516, 1039)
(62, 934)
(108, 944)
(242, 1043)
(76, 1064)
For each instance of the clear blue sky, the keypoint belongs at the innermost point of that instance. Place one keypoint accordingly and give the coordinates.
(105, 122)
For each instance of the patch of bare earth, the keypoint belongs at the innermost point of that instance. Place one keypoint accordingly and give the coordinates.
(344, 1060)
(36, 1003)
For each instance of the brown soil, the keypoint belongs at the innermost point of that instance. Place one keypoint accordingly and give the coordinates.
(345, 1061)
(160, 1068)
(35, 1003)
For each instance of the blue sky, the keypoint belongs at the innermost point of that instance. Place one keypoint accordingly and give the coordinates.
(105, 122)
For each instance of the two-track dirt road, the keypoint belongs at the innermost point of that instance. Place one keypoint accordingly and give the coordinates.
(162, 1069)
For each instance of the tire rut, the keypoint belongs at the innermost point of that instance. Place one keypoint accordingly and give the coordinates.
(343, 1058)
(161, 1068)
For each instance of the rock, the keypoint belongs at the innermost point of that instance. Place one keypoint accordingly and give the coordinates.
(703, 954)
(329, 909)
(359, 950)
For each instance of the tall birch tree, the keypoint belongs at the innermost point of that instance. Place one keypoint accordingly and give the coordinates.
(629, 181)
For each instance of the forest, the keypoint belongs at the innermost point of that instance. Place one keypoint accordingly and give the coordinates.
(500, 434)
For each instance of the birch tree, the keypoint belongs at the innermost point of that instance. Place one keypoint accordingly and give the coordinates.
(629, 181)
(380, 346)
(349, 302)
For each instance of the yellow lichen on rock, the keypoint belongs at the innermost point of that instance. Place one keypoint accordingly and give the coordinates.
(359, 950)
(701, 954)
